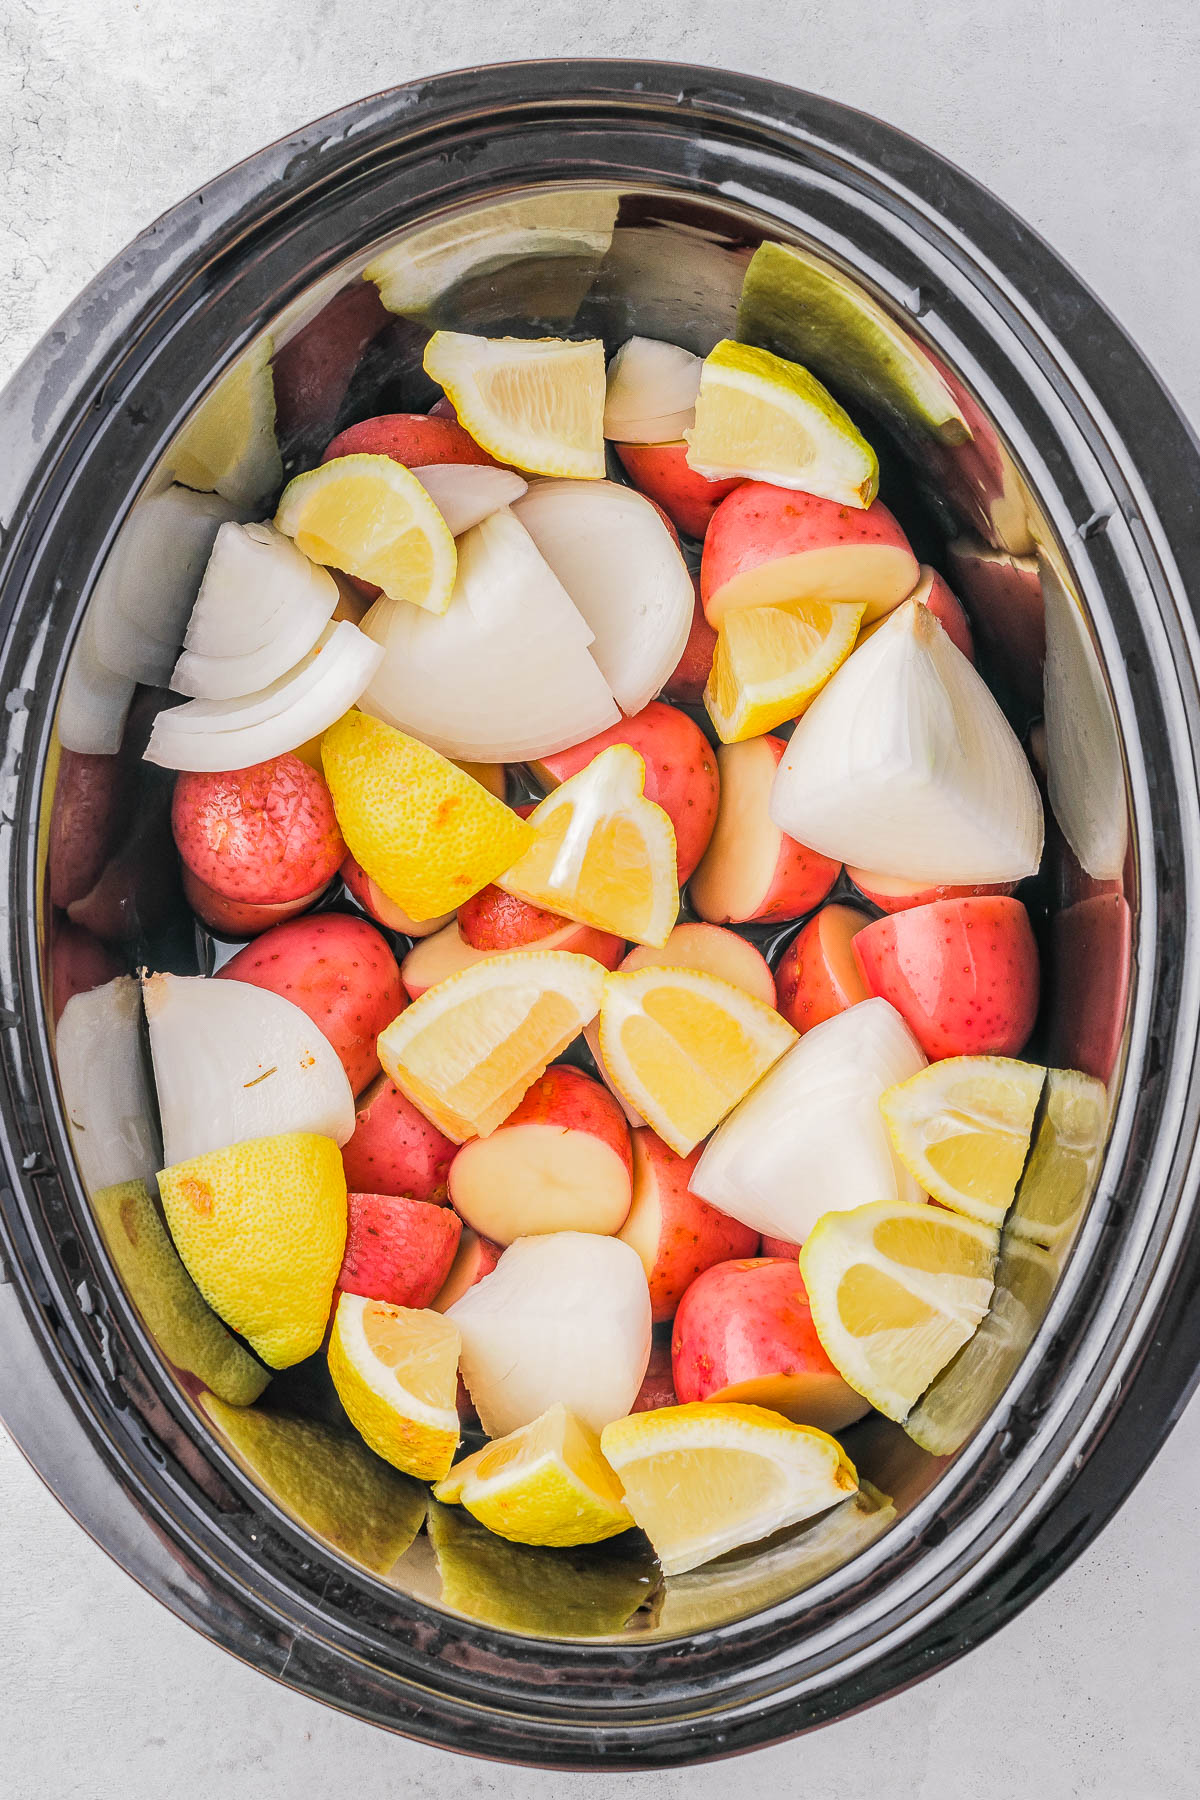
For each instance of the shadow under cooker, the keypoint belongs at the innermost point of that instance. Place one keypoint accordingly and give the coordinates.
(610, 199)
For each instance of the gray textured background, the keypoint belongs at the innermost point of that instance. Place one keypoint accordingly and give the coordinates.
(1084, 119)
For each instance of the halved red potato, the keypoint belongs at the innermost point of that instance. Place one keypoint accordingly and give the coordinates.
(933, 593)
(662, 473)
(891, 895)
(383, 910)
(817, 975)
(676, 1234)
(751, 870)
(768, 545)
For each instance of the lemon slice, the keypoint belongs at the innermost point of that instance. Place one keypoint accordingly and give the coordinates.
(1061, 1170)
(396, 1373)
(602, 853)
(684, 1047)
(261, 1228)
(534, 402)
(962, 1127)
(424, 830)
(545, 1484)
(371, 518)
(228, 446)
(763, 417)
(703, 1478)
(895, 1290)
(468, 1049)
(772, 661)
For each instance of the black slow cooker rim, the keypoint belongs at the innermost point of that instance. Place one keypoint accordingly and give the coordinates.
(1062, 1461)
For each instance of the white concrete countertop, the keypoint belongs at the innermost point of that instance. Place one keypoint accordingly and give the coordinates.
(1085, 122)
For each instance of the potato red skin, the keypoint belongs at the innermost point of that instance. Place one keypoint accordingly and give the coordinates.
(687, 683)
(817, 976)
(681, 772)
(395, 1149)
(337, 969)
(262, 835)
(691, 1235)
(398, 1250)
(418, 440)
(494, 920)
(661, 472)
(963, 974)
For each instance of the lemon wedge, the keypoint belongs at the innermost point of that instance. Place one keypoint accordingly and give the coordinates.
(1060, 1173)
(424, 830)
(468, 1049)
(703, 1478)
(228, 446)
(895, 1290)
(371, 518)
(761, 416)
(535, 402)
(546, 1484)
(683, 1047)
(602, 853)
(396, 1373)
(771, 662)
(261, 1228)
(962, 1126)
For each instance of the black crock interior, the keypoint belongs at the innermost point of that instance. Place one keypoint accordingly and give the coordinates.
(1072, 450)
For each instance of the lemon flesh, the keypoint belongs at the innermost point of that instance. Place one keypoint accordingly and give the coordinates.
(395, 1369)
(771, 662)
(962, 1128)
(535, 402)
(370, 517)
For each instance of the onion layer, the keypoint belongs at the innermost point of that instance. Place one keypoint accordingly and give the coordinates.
(904, 763)
(467, 493)
(212, 735)
(1085, 773)
(262, 606)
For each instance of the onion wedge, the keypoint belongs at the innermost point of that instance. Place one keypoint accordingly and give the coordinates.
(213, 735)
(810, 1138)
(106, 1095)
(623, 569)
(652, 389)
(234, 1062)
(904, 763)
(504, 675)
(257, 586)
(467, 493)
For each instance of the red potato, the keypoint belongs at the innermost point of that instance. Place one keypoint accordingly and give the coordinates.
(395, 1149)
(436, 958)
(681, 772)
(384, 911)
(676, 1234)
(494, 920)
(418, 440)
(686, 686)
(891, 895)
(337, 969)
(475, 1257)
(311, 373)
(79, 962)
(767, 545)
(744, 1332)
(91, 804)
(817, 975)
(237, 918)
(933, 593)
(713, 950)
(963, 974)
(264, 834)
(138, 888)
(779, 1247)
(662, 473)
(658, 1387)
(1093, 953)
(560, 1162)
(397, 1250)
(1008, 613)
(751, 870)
